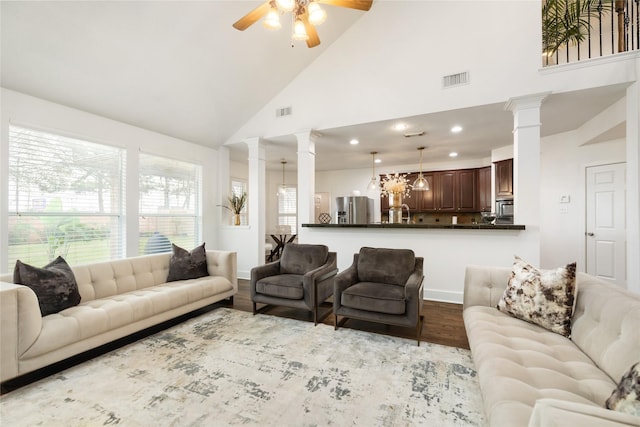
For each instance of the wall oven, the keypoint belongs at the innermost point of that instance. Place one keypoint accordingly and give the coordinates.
(504, 211)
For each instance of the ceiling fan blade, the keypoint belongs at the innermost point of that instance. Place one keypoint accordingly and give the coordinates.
(351, 4)
(250, 18)
(313, 39)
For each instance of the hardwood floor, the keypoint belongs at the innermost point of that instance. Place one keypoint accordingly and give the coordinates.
(442, 325)
(442, 321)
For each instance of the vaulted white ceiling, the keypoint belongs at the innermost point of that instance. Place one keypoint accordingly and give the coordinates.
(179, 68)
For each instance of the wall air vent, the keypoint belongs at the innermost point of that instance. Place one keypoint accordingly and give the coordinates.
(284, 111)
(455, 79)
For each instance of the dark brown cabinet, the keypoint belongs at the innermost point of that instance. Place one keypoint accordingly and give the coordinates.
(484, 189)
(504, 178)
(466, 189)
(449, 191)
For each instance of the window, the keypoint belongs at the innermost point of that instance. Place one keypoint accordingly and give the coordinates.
(65, 199)
(170, 194)
(287, 208)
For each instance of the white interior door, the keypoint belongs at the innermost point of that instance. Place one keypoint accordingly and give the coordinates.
(606, 227)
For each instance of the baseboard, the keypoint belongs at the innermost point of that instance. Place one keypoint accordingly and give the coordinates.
(245, 275)
(443, 296)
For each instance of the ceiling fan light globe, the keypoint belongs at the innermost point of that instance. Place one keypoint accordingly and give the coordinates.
(272, 20)
(286, 5)
(317, 15)
(421, 184)
(299, 32)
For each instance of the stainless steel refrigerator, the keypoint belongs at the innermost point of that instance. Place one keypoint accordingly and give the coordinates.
(354, 210)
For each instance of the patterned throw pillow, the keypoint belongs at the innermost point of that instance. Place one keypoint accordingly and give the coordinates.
(54, 284)
(187, 265)
(626, 397)
(541, 297)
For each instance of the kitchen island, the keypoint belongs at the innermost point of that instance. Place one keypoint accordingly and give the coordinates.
(447, 248)
(423, 226)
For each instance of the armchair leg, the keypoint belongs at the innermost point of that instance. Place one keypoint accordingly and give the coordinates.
(419, 329)
(255, 311)
(335, 322)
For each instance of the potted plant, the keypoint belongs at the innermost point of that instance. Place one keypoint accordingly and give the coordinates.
(569, 21)
(237, 203)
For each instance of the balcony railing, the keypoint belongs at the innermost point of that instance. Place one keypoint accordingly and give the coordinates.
(574, 30)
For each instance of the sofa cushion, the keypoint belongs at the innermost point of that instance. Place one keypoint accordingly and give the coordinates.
(544, 298)
(54, 284)
(626, 396)
(287, 286)
(186, 265)
(300, 259)
(376, 297)
(519, 362)
(109, 314)
(380, 265)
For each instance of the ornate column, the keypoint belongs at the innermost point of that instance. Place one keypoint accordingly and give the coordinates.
(526, 165)
(306, 177)
(633, 185)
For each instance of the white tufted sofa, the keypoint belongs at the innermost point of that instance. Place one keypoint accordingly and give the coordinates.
(118, 298)
(531, 376)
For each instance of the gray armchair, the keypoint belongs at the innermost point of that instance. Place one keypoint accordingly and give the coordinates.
(301, 278)
(383, 286)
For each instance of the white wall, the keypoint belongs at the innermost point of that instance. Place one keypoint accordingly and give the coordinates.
(563, 164)
(28, 111)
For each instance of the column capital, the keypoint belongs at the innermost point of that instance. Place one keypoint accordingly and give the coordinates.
(526, 102)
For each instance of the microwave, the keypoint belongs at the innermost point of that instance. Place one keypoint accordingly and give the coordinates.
(504, 211)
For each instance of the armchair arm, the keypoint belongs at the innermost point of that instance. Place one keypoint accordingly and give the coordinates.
(321, 273)
(413, 287)
(262, 271)
(343, 280)
(554, 412)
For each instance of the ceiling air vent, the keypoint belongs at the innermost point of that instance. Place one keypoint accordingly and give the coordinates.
(284, 111)
(455, 79)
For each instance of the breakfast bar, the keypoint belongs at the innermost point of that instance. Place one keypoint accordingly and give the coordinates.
(447, 248)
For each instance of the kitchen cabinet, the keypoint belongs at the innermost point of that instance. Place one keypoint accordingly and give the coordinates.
(484, 189)
(504, 179)
(450, 191)
(466, 190)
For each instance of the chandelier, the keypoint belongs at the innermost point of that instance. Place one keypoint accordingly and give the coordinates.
(298, 8)
(282, 188)
(421, 183)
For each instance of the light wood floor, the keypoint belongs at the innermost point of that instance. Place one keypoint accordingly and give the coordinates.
(442, 321)
(442, 325)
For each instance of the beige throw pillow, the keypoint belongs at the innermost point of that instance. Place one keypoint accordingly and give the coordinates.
(544, 298)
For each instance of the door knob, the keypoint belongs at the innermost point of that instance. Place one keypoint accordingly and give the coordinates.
(590, 234)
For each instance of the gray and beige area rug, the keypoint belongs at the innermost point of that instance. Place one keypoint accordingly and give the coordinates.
(229, 367)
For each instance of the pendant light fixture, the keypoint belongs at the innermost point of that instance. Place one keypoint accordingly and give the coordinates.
(373, 186)
(282, 188)
(421, 184)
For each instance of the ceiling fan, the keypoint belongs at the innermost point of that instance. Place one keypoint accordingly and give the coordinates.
(306, 14)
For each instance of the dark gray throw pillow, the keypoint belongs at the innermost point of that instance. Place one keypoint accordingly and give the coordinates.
(54, 284)
(187, 265)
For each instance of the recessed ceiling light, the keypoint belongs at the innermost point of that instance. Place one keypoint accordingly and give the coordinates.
(456, 129)
(400, 126)
(453, 154)
(354, 142)
(378, 161)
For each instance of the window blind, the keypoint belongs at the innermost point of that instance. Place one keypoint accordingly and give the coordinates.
(170, 212)
(65, 199)
(287, 208)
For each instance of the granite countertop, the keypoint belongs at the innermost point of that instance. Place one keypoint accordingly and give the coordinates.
(423, 226)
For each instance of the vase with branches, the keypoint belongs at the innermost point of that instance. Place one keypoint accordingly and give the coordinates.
(237, 203)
